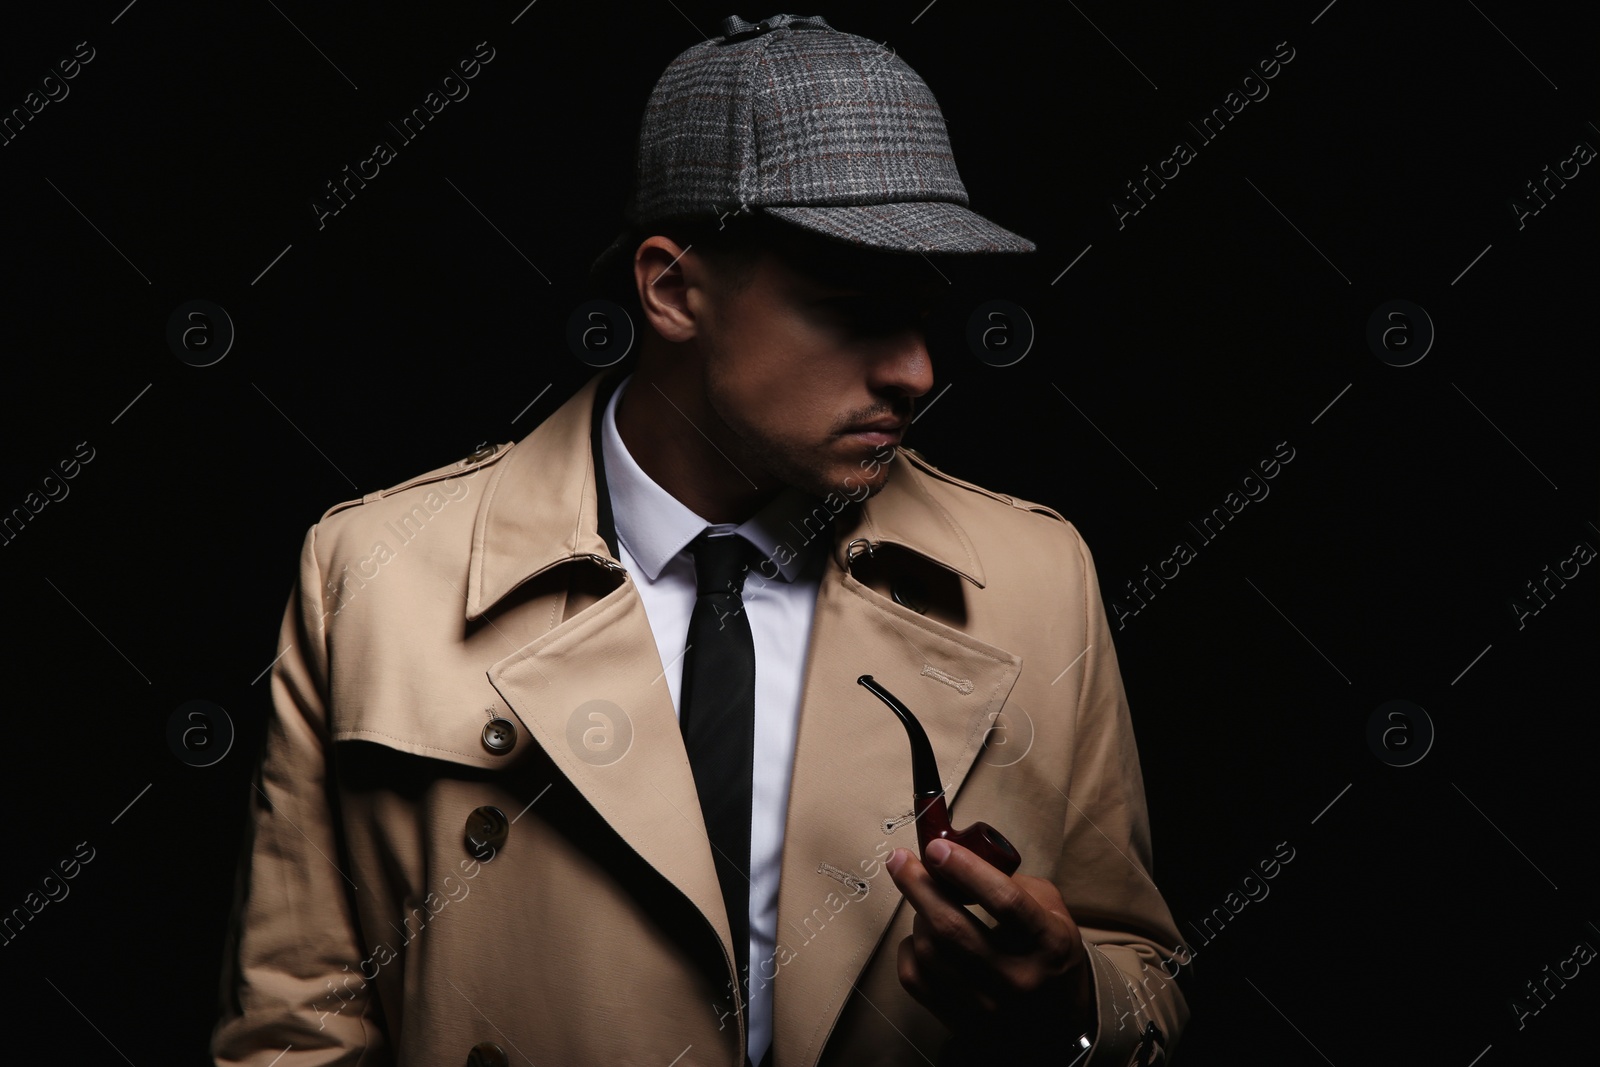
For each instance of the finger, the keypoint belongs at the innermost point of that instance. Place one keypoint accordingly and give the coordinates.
(1014, 908)
(936, 929)
(963, 870)
(981, 974)
(932, 903)
(935, 946)
(943, 990)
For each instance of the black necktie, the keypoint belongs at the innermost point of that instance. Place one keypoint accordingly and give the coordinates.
(717, 716)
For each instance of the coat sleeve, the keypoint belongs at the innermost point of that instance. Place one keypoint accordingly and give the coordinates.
(292, 990)
(1135, 949)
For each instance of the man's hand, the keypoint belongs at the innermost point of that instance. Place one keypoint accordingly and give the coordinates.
(1027, 979)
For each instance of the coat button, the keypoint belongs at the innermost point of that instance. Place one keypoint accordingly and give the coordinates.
(499, 736)
(487, 1054)
(910, 593)
(486, 832)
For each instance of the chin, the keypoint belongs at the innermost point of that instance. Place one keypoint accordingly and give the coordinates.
(856, 484)
(854, 474)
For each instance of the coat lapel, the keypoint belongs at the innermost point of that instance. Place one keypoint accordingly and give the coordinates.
(591, 690)
(852, 769)
(593, 694)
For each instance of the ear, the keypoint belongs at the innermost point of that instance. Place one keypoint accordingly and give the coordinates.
(663, 279)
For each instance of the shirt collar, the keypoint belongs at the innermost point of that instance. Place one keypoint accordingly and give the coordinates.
(656, 526)
(544, 503)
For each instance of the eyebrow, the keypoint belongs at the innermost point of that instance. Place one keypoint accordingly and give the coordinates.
(887, 297)
(855, 273)
(895, 289)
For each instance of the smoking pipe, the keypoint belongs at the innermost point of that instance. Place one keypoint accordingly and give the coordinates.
(933, 817)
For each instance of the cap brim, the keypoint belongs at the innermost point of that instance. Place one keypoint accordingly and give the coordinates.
(930, 226)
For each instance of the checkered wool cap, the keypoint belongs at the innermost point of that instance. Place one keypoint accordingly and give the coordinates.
(822, 129)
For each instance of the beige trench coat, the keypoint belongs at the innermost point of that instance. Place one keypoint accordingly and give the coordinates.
(474, 832)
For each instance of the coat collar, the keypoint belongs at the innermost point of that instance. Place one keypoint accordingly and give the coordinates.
(546, 504)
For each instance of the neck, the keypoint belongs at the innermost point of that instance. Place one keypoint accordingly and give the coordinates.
(675, 438)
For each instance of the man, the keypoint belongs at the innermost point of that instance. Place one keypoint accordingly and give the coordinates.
(569, 760)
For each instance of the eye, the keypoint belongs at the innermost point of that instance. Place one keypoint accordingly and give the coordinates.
(854, 305)
(877, 314)
(857, 312)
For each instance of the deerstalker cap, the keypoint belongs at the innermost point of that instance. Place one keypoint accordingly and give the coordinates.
(822, 129)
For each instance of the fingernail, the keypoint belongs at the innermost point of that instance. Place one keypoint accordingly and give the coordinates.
(896, 860)
(938, 849)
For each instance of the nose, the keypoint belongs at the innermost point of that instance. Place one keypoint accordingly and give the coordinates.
(905, 365)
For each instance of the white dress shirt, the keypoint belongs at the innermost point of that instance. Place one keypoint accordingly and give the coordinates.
(654, 529)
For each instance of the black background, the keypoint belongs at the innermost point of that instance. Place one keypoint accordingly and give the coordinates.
(1224, 318)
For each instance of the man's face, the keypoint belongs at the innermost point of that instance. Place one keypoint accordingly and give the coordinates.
(819, 342)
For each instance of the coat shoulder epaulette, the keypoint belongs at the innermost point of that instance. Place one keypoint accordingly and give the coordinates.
(485, 455)
(1016, 502)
